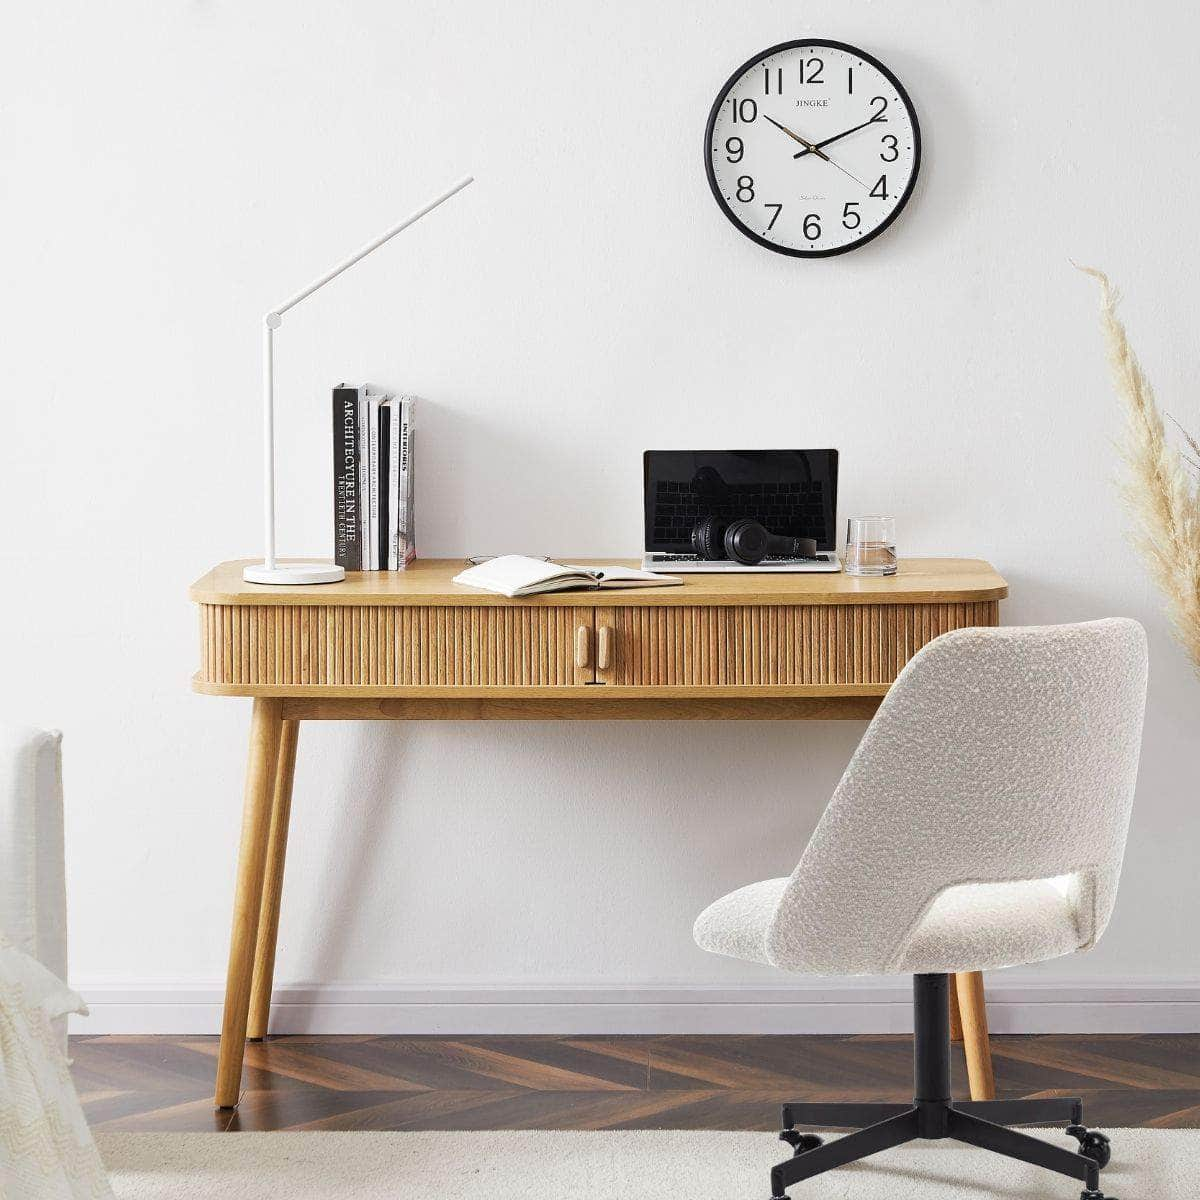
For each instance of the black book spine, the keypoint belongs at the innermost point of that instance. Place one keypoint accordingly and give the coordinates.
(347, 545)
(384, 418)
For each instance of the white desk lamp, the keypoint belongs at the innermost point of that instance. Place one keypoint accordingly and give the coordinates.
(310, 572)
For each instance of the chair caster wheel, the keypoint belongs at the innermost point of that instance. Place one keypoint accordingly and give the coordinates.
(1092, 1144)
(800, 1142)
(1087, 1194)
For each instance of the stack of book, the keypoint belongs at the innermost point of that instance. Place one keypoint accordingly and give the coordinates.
(372, 479)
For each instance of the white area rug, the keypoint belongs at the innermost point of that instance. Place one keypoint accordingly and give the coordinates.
(1148, 1164)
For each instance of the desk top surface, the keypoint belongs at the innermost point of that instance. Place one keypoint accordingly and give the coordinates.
(428, 582)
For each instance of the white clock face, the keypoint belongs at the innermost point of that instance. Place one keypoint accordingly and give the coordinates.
(812, 148)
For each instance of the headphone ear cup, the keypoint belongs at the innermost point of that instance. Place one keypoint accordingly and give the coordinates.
(708, 538)
(746, 541)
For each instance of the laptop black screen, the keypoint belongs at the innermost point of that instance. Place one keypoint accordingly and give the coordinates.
(791, 492)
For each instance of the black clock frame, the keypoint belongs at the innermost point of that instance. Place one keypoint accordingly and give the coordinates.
(723, 94)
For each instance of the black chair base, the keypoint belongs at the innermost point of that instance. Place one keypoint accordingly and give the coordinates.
(933, 1114)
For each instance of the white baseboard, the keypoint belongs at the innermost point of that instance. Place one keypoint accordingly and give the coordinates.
(1133, 1007)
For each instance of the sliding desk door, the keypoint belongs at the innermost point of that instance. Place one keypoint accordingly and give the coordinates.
(664, 646)
(288, 648)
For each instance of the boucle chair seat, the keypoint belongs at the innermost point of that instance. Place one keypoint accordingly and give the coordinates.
(972, 927)
(980, 823)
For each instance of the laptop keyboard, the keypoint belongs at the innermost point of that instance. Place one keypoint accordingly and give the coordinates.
(770, 558)
(793, 509)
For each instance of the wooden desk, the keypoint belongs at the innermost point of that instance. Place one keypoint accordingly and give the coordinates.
(412, 645)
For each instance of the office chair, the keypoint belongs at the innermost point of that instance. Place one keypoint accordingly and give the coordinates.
(980, 824)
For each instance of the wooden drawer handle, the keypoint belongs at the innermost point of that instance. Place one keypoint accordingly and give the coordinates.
(583, 646)
(604, 649)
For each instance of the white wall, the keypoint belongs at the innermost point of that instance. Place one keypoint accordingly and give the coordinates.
(173, 169)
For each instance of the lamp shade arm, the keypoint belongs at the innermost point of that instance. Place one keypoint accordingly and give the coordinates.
(361, 253)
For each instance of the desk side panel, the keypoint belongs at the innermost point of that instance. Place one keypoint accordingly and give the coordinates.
(347, 646)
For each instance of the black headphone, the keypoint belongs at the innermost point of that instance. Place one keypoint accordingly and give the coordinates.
(746, 541)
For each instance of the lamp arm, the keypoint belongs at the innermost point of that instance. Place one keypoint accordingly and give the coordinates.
(361, 253)
(274, 318)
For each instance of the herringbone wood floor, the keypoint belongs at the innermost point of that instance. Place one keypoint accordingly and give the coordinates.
(472, 1083)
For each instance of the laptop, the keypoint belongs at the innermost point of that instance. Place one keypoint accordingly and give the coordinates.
(792, 493)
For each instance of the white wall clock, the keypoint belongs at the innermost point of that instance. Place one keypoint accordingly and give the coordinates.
(812, 148)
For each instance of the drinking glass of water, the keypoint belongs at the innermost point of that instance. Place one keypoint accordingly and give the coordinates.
(870, 546)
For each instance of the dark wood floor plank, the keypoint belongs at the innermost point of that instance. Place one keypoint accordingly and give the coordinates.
(289, 1108)
(1094, 1062)
(480, 1083)
(432, 1110)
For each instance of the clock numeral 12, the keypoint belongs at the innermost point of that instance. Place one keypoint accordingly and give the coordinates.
(813, 73)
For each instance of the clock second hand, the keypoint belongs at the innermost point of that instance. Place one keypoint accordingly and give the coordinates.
(812, 148)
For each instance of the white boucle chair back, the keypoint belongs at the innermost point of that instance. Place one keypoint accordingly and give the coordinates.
(997, 755)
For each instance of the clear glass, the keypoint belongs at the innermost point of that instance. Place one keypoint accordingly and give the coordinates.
(870, 546)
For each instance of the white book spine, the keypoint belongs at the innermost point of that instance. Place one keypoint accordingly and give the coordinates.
(407, 539)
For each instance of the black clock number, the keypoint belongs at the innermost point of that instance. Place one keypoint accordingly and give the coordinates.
(812, 226)
(745, 189)
(890, 141)
(880, 113)
(810, 72)
(778, 209)
(851, 210)
(880, 189)
(767, 81)
(743, 110)
(734, 149)
(849, 81)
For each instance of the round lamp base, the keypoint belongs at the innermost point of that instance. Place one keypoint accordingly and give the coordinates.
(291, 574)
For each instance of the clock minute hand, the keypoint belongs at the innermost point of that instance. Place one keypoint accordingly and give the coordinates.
(813, 149)
(837, 137)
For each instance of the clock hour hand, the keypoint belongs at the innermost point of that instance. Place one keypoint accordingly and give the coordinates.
(837, 137)
(809, 147)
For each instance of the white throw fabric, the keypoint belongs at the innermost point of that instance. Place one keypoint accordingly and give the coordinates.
(981, 822)
(46, 1149)
(33, 894)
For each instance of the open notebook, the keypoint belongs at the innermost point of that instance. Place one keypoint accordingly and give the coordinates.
(517, 575)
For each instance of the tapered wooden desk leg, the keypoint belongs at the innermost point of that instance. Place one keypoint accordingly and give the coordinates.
(955, 1017)
(969, 985)
(272, 892)
(265, 726)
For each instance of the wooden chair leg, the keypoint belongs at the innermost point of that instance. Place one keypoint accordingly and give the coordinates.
(265, 725)
(956, 1035)
(973, 1014)
(268, 919)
